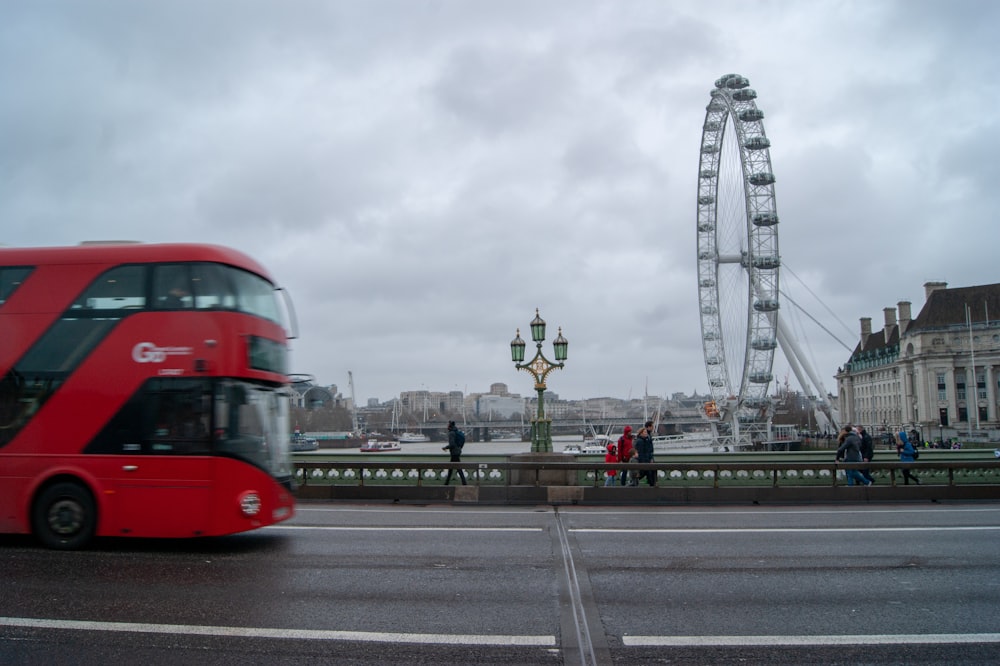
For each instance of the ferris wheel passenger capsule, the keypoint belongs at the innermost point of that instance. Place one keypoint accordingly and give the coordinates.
(751, 115)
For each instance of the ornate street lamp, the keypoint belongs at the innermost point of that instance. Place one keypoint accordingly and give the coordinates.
(539, 367)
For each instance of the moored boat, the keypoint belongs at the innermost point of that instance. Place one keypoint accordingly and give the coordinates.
(379, 446)
(691, 442)
(593, 446)
(300, 442)
(413, 437)
(598, 443)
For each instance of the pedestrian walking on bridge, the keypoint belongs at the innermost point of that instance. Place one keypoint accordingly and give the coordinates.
(850, 451)
(611, 457)
(907, 453)
(644, 445)
(455, 448)
(867, 452)
(625, 451)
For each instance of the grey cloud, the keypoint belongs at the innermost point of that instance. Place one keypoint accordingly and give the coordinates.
(495, 90)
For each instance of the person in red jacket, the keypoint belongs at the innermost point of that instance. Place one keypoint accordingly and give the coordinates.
(610, 457)
(625, 451)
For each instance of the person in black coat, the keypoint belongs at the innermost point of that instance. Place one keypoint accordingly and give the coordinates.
(867, 453)
(644, 447)
(455, 449)
(850, 451)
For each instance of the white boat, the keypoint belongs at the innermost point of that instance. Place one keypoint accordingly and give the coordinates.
(594, 446)
(598, 443)
(413, 437)
(701, 441)
(379, 446)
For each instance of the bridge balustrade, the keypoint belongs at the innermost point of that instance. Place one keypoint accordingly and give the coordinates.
(676, 481)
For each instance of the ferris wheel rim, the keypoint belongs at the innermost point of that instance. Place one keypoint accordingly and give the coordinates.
(732, 106)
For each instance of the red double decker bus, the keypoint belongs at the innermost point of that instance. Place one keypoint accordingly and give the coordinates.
(143, 392)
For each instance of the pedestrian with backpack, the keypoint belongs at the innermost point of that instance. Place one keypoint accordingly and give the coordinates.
(456, 440)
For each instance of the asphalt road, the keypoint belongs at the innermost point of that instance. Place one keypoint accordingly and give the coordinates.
(879, 584)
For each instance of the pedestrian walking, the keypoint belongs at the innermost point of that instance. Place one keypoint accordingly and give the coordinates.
(907, 453)
(633, 474)
(850, 451)
(455, 444)
(867, 452)
(610, 457)
(625, 449)
(644, 447)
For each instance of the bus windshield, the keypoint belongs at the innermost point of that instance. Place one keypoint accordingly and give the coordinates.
(211, 286)
(252, 424)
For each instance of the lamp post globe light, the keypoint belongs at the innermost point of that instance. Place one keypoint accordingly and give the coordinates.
(539, 367)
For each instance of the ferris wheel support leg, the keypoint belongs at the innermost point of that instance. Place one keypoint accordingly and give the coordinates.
(788, 343)
(793, 361)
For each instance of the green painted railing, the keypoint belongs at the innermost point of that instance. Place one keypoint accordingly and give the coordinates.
(716, 472)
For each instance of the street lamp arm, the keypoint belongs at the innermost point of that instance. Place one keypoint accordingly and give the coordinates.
(539, 367)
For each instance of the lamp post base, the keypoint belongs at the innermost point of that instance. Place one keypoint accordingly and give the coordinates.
(541, 436)
(539, 476)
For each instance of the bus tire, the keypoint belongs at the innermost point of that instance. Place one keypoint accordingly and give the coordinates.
(64, 516)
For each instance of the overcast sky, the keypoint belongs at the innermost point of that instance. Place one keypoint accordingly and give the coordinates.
(422, 175)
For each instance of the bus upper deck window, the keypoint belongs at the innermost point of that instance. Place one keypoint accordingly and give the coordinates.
(172, 287)
(212, 287)
(121, 288)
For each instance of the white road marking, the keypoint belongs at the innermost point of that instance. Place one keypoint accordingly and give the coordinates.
(406, 510)
(672, 511)
(840, 510)
(783, 530)
(392, 528)
(778, 641)
(299, 634)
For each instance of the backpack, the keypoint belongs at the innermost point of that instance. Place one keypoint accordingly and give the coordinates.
(459, 438)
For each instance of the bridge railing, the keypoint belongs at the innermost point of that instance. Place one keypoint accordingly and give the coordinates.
(675, 481)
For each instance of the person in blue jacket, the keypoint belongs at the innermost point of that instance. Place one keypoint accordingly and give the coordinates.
(906, 454)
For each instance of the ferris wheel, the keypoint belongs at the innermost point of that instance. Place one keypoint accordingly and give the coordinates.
(738, 257)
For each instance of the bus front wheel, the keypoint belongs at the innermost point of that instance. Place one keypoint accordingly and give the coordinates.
(64, 516)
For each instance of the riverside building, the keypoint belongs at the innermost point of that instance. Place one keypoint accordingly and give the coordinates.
(938, 372)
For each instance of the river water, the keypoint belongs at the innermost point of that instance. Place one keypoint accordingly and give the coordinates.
(496, 447)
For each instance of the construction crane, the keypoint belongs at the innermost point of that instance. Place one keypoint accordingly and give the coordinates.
(354, 404)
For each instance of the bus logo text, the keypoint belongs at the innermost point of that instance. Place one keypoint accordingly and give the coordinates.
(147, 352)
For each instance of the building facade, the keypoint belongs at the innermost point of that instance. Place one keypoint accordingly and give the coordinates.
(938, 372)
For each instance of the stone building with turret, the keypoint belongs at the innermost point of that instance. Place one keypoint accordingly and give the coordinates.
(938, 371)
